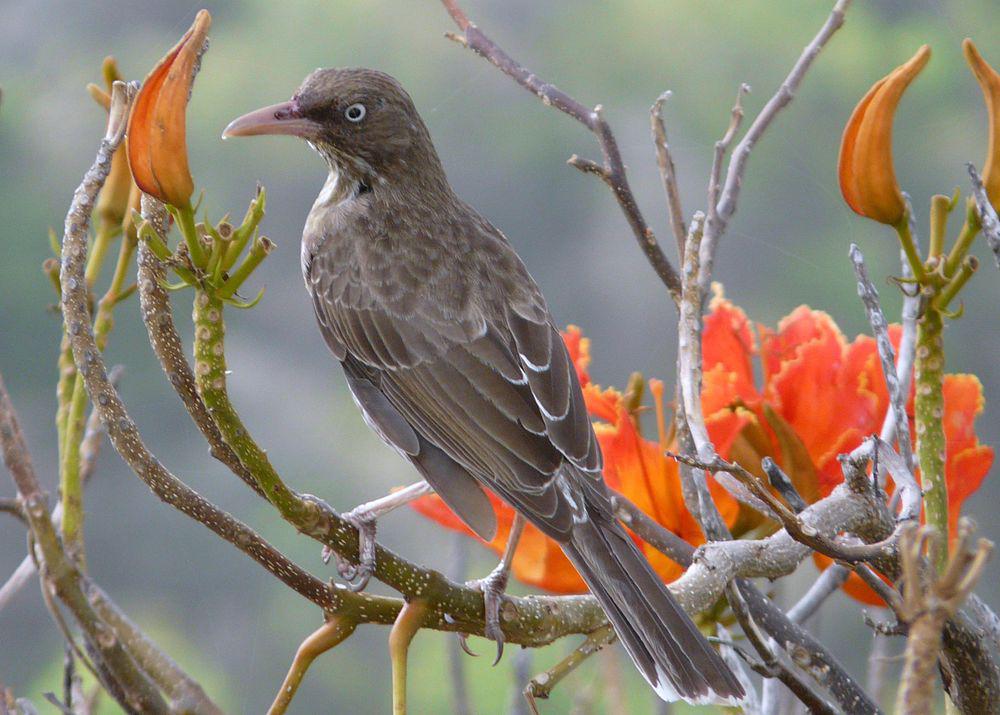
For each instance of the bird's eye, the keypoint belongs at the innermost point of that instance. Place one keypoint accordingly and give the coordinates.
(355, 113)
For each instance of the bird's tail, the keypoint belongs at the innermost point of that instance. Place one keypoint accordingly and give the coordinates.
(665, 645)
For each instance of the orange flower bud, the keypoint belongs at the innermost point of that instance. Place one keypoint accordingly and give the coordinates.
(989, 80)
(867, 178)
(157, 144)
(112, 202)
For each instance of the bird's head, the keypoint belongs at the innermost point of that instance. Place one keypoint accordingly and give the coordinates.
(361, 121)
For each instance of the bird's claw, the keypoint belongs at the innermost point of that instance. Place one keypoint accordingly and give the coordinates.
(493, 587)
(463, 643)
(358, 575)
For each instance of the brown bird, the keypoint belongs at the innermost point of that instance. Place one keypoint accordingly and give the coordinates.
(452, 355)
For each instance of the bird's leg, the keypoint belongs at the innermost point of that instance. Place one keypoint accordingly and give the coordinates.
(364, 517)
(494, 585)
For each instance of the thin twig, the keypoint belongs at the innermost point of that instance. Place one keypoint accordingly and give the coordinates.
(613, 169)
(651, 531)
(540, 687)
(741, 154)
(719, 155)
(987, 214)
(13, 507)
(668, 172)
(880, 329)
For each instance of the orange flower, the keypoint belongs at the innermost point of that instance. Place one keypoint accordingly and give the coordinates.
(832, 394)
(867, 177)
(989, 80)
(157, 144)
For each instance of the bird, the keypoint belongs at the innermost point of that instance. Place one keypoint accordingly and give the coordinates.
(450, 351)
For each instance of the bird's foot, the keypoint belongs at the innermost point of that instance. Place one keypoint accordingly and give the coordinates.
(358, 575)
(493, 587)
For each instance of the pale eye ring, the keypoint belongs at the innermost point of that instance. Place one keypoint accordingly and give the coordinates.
(355, 113)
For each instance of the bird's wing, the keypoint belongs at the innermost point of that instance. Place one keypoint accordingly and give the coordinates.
(499, 395)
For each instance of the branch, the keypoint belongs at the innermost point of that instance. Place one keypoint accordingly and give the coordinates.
(612, 172)
(880, 328)
(90, 449)
(773, 665)
(60, 573)
(668, 173)
(726, 207)
(987, 214)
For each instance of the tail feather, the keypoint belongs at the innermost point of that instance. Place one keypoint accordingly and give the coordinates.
(665, 645)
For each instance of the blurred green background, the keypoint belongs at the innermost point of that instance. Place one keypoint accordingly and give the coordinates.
(218, 613)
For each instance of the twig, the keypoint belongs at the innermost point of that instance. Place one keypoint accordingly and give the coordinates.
(650, 531)
(878, 666)
(908, 339)
(987, 214)
(668, 172)
(719, 155)
(828, 583)
(13, 507)
(783, 485)
(540, 687)
(456, 665)
(807, 652)
(773, 665)
(880, 329)
(741, 154)
(90, 449)
(407, 623)
(612, 172)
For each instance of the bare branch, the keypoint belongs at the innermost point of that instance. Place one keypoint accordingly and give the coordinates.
(987, 214)
(741, 154)
(650, 531)
(880, 329)
(773, 664)
(613, 170)
(719, 155)
(540, 687)
(668, 172)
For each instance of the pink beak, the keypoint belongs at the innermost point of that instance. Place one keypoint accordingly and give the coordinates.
(281, 118)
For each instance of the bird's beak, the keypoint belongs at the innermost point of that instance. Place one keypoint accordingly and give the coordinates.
(281, 118)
